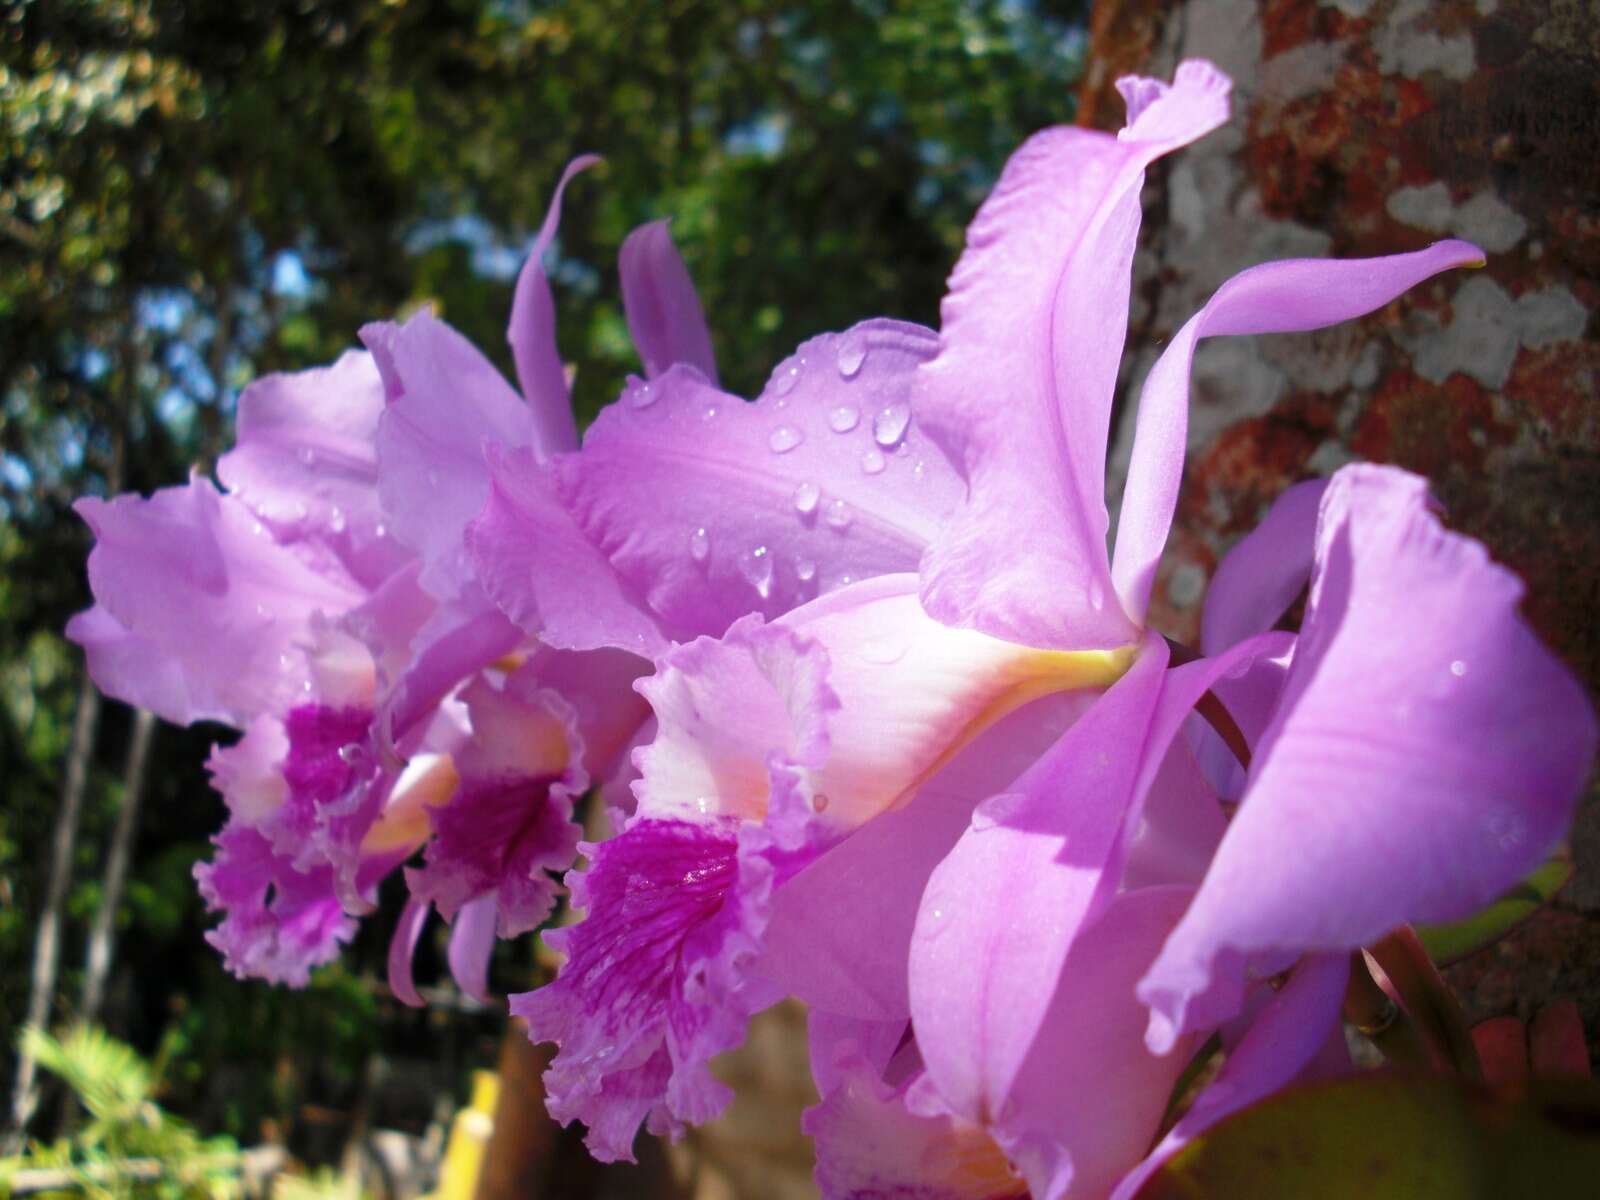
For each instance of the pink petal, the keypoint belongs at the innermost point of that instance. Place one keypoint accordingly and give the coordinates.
(834, 1040)
(1278, 297)
(712, 508)
(1285, 1038)
(1000, 914)
(403, 948)
(664, 314)
(279, 922)
(432, 475)
(870, 1145)
(532, 334)
(543, 573)
(200, 613)
(1020, 394)
(1261, 576)
(654, 983)
(819, 948)
(1426, 754)
(1089, 1096)
(472, 946)
(306, 463)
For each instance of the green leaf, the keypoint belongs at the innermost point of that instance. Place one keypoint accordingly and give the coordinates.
(1455, 940)
(1387, 1136)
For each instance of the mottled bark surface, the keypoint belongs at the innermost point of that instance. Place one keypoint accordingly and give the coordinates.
(1368, 127)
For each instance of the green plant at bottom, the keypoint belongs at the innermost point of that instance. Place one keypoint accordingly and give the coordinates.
(128, 1148)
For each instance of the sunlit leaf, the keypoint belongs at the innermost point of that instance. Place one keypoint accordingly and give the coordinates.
(1395, 1137)
(1457, 939)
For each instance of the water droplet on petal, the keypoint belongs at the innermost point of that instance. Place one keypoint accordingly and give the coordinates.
(843, 419)
(889, 426)
(756, 567)
(819, 802)
(1458, 668)
(852, 353)
(699, 544)
(805, 570)
(920, 471)
(872, 462)
(886, 650)
(806, 498)
(1097, 596)
(350, 753)
(336, 519)
(642, 395)
(703, 803)
(380, 529)
(838, 515)
(709, 413)
(786, 376)
(784, 439)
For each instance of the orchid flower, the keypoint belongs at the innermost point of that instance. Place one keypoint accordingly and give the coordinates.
(828, 763)
(325, 605)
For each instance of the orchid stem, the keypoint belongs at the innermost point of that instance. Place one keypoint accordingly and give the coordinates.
(1428, 998)
(1385, 1023)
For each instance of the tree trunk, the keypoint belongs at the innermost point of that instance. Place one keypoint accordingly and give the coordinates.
(1366, 127)
(46, 946)
(103, 933)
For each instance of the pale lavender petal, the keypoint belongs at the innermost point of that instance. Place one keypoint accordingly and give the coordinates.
(832, 1039)
(1020, 394)
(897, 693)
(1089, 1096)
(471, 947)
(1278, 297)
(532, 334)
(1426, 754)
(711, 507)
(664, 314)
(1178, 828)
(306, 462)
(432, 478)
(459, 639)
(820, 948)
(544, 574)
(402, 949)
(1260, 577)
(1289, 1034)
(214, 615)
(870, 1146)
(985, 958)
(598, 686)
(742, 722)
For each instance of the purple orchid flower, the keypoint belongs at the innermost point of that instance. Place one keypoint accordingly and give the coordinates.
(1394, 797)
(828, 763)
(325, 604)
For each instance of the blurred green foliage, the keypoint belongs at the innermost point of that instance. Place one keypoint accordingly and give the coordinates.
(125, 1129)
(193, 193)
